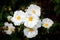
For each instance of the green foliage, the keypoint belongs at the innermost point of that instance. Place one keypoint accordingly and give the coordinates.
(54, 27)
(57, 1)
(13, 37)
(1, 24)
(57, 9)
(19, 4)
(57, 6)
(6, 14)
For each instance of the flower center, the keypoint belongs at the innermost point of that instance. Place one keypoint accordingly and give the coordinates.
(46, 25)
(11, 29)
(18, 17)
(30, 18)
(5, 27)
(31, 30)
(34, 11)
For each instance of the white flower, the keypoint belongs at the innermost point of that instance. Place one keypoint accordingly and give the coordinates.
(30, 32)
(18, 17)
(9, 18)
(47, 23)
(34, 10)
(10, 29)
(30, 21)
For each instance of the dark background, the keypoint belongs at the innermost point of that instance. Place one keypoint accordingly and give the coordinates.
(49, 8)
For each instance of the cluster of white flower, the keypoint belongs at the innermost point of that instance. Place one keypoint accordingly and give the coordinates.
(30, 19)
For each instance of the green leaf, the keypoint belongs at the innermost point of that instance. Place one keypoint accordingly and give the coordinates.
(22, 27)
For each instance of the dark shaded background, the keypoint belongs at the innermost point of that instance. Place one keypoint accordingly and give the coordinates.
(49, 8)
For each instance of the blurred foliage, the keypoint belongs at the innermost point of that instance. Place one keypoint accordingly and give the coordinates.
(57, 6)
(1, 24)
(0, 16)
(57, 1)
(49, 8)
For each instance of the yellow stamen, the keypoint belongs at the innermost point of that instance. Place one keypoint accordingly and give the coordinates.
(30, 18)
(34, 11)
(18, 17)
(11, 29)
(31, 30)
(46, 25)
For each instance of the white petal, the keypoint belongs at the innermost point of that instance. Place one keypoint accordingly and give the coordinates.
(38, 24)
(9, 18)
(29, 24)
(6, 23)
(8, 32)
(18, 12)
(47, 20)
(16, 24)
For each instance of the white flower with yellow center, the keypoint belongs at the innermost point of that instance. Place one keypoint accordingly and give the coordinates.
(30, 32)
(18, 17)
(30, 21)
(47, 23)
(34, 10)
(10, 27)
